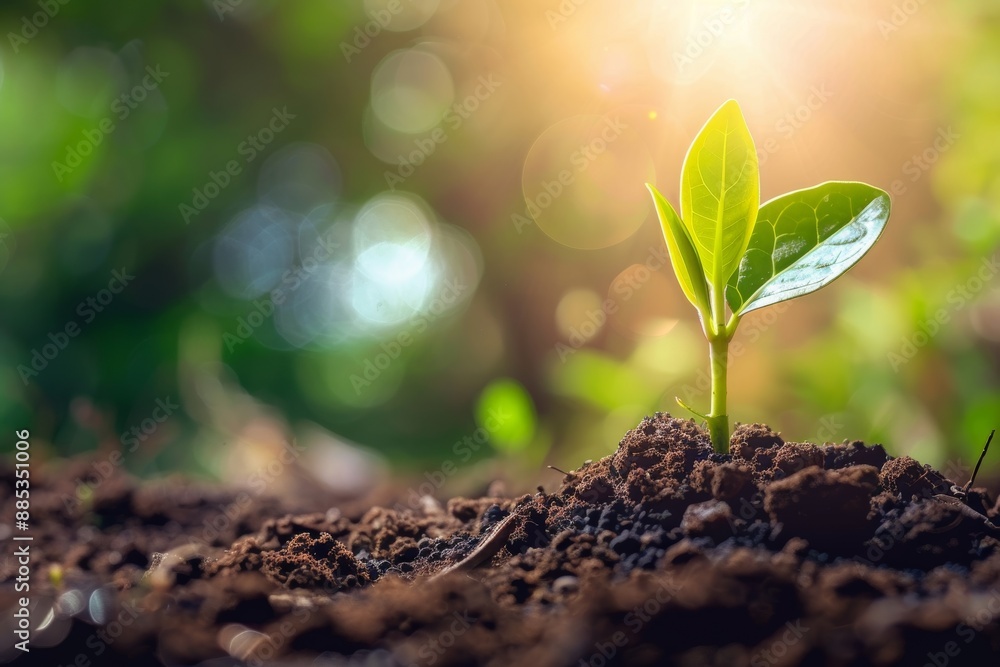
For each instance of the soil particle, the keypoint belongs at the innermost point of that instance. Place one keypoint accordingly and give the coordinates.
(908, 478)
(315, 562)
(712, 518)
(830, 509)
(748, 439)
(790, 458)
(855, 453)
(657, 449)
(730, 481)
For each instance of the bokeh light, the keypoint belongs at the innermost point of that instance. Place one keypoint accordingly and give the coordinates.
(643, 299)
(580, 181)
(299, 177)
(575, 309)
(254, 250)
(411, 90)
(505, 411)
(394, 270)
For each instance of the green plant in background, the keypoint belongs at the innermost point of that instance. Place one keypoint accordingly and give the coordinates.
(728, 250)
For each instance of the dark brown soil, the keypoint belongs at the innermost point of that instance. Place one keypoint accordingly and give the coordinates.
(663, 553)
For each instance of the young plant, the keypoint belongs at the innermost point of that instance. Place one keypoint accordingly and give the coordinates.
(732, 255)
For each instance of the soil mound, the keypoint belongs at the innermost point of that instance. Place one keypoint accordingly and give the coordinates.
(662, 553)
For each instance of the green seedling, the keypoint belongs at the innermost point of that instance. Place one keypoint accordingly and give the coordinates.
(732, 255)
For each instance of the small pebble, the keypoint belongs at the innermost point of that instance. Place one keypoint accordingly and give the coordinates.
(566, 585)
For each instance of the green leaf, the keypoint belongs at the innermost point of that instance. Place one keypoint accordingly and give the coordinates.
(683, 257)
(805, 240)
(720, 192)
(689, 408)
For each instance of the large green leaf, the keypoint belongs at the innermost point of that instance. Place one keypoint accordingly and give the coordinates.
(720, 192)
(807, 239)
(683, 256)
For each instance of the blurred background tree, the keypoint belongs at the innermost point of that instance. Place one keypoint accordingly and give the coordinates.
(420, 226)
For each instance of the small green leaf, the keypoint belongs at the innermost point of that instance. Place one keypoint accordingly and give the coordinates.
(805, 240)
(720, 192)
(689, 408)
(683, 257)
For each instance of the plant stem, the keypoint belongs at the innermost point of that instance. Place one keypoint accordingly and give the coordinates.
(718, 420)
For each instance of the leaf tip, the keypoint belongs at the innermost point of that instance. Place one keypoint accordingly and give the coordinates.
(731, 106)
(655, 193)
(689, 408)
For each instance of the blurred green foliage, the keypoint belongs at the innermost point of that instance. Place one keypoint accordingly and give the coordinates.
(827, 372)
